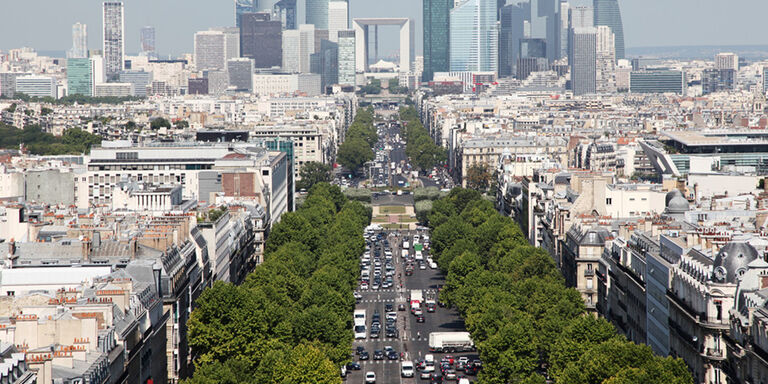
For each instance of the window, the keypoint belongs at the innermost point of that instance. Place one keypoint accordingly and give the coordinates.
(608, 201)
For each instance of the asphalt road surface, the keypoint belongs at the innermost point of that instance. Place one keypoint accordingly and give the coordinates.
(413, 336)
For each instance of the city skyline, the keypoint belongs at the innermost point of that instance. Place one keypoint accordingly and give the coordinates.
(732, 24)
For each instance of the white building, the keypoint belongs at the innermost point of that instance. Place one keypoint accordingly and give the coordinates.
(727, 61)
(36, 86)
(606, 60)
(338, 19)
(114, 38)
(210, 50)
(113, 90)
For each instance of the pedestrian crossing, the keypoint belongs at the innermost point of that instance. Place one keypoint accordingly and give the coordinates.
(378, 301)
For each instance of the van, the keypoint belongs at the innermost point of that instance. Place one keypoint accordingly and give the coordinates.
(406, 369)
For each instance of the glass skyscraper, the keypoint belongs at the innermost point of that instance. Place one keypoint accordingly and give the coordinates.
(436, 37)
(347, 57)
(114, 38)
(608, 13)
(80, 76)
(474, 36)
(245, 6)
(317, 13)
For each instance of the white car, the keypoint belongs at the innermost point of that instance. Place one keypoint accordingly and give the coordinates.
(360, 332)
(406, 370)
(370, 377)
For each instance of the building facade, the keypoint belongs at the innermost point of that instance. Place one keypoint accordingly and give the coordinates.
(210, 50)
(474, 36)
(261, 39)
(114, 39)
(583, 60)
(79, 42)
(347, 58)
(80, 76)
(608, 13)
(436, 37)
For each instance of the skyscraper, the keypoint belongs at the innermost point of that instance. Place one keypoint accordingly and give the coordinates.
(291, 50)
(240, 74)
(606, 60)
(544, 21)
(245, 6)
(347, 57)
(325, 62)
(583, 60)
(437, 28)
(727, 61)
(80, 76)
(79, 41)
(316, 13)
(210, 50)
(565, 8)
(582, 17)
(147, 42)
(608, 13)
(261, 39)
(512, 23)
(474, 36)
(338, 19)
(286, 11)
(114, 38)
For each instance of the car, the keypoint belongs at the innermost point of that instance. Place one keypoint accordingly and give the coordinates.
(436, 378)
(417, 312)
(388, 308)
(364, 285)
(391, 332)
(430, 307)
(378, 354)
(406, 369)
(392, 355)
(360, 332)
(370, 377)
(448, 359)
(358, 296)
(364, 355)
(425, 375)
(401, 307)
(422, 266)
(353, 366)
(359, 349)
(375, 285)
(450, 374)
(463, 359)
(420, 318)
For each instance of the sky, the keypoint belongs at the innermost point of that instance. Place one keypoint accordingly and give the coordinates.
(647, 23)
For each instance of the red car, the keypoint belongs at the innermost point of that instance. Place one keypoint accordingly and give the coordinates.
(447, 359)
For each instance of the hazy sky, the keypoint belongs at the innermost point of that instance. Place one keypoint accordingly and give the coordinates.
(46, 24)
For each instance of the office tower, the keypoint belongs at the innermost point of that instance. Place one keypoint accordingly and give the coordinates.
(245, 6)
(325, 62)
(240, 74)
(765, 80)
(139, 79)
(608, 13)
(36, 86)
(512, 24)
(298, 45)
(657, 81)
(338, 19)
(437, 56)
(210, 50)
(533, 48)
(533, 57)
(218, 81)
(232, 41)
(581, 17)
(606, 60)
(197, 86)
(316, 13)
(717, 80)
(727, 61)
(544, 23)
(564, 27)
(583, 60)
(98, 69)
(114, 38)
(261, 39)
(286, 12)
(80, 76)
(8, 83)
(79, 41)
(147, 43)
(347, 57)
(474, 36)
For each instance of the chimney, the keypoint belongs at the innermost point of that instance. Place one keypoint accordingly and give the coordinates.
(12, 248)
(86, 249)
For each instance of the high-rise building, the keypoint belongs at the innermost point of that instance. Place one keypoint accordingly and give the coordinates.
(245, 6)
(286, 11)
(512, 24)
(583, 60)
(717, 80)
(139, 79)
(606, 60)
(36, 86)
(218, 81)
(581, 17)
(325, 62)
(241, 74)
(474, 36)
(543, 18)
(437, 28)
(727, 61)
(8, 83)
(316, 13)
(147, 43)
(298, 45)
(79, 41)
(338, 19)
(197, 86)
(608, 13)
(765, 80)
(80, 76)
(114, 38)
(232, 40)
(210, 50)
(564, 27)
(261, 39)
(657, 81)
(347, 57)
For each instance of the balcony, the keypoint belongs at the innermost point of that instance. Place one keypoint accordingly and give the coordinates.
(714, 353)
(589, 272)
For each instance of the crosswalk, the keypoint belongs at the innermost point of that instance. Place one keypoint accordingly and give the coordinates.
(378, 301)
(387, 340)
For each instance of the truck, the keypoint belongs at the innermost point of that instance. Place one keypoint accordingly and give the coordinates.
(450, 342)
(418, 247)
(406, 244)
(392, 166)
(417, 298)
(359, 316)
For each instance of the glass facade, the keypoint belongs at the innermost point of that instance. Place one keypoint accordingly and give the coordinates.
(80, 76)
(436, 37)
(474, 37)
(608, 13)
(261, 39)
(347, 57)
(657, 82)
(244, 6)
(583, 60)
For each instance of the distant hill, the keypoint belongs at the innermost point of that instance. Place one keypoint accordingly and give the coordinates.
(748, 52)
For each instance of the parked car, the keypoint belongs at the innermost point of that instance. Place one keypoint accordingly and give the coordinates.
(370, 377)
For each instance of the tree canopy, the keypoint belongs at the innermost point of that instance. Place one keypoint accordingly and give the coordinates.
(523, 319)
(359, 141)
(420, 147)
(74, 141)
(312, 173)
(290, 322)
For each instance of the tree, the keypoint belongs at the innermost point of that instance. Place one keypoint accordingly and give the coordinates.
(478, 177)
(181, 124)
(159, 122)
(353, 153)
(312, 173)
